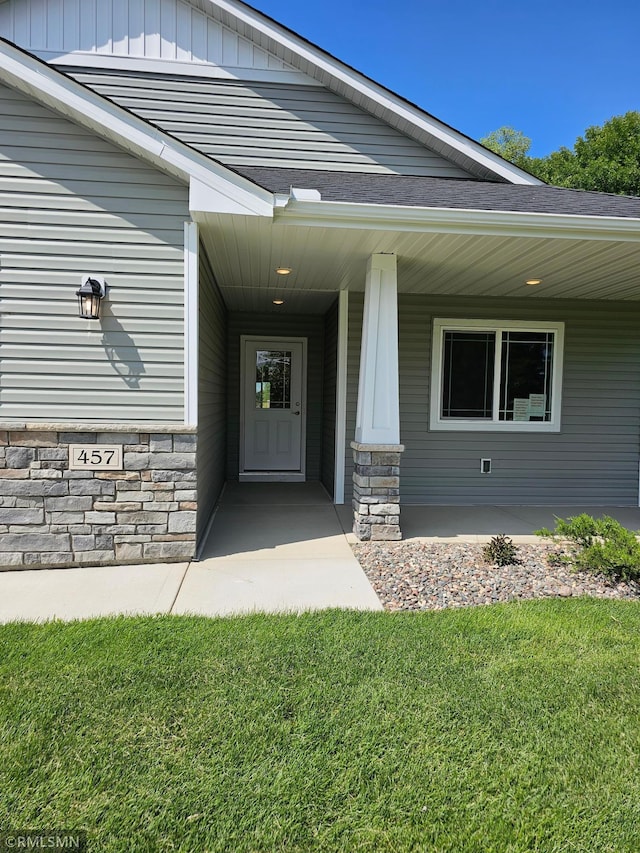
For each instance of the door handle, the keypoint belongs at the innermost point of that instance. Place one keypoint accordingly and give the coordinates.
(297, 413)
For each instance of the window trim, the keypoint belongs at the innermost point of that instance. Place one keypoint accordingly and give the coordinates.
(442, 325)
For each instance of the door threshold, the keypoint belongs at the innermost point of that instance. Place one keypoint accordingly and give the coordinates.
(271, 477)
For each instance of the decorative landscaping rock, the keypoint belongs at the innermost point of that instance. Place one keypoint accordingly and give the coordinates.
(426, 576)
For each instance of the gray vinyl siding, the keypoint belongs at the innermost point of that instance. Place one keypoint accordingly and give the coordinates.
(70, 204)
(329, 397)
(212, 394)
(267, 325)
(269, 124)
(593, 460)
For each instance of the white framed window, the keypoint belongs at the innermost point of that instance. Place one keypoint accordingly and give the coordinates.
(496, 375)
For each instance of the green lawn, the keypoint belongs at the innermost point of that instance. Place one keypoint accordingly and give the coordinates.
(506, 728)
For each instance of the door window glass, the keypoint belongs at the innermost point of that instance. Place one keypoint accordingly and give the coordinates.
(273, 379)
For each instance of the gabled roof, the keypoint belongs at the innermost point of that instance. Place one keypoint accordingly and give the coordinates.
(251, 190)
(128, 40)
(377, 99)
(219, 189)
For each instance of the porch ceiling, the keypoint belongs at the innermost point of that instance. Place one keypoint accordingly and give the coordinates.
(245, 252)
(261, 300)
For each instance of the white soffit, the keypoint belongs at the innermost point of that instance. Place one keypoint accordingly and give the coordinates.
(246, 250)
(223, 190)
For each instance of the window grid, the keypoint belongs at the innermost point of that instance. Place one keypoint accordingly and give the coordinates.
(465, 359)
(509, 342)
(273, 379)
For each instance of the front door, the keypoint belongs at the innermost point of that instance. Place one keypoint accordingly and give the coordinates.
(273, 411)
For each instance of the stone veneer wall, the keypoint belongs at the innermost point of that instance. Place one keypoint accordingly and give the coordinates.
(51, 516)
(376, 491)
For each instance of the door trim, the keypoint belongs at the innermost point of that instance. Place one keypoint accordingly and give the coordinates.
(273, 476)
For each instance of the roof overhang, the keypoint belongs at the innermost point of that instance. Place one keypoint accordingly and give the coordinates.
(457, 221)
(472, 253)
(212, 186)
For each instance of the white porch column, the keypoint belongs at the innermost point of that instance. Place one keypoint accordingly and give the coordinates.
(377, 448)
(378, 412)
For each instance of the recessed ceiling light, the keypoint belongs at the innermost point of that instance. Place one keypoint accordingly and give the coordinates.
(283, 270)
(278, 301)
(533, 281)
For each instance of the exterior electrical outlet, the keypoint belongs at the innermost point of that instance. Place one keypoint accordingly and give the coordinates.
(485, 466)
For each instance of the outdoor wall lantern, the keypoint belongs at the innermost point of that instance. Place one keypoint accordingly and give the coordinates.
(92, 290)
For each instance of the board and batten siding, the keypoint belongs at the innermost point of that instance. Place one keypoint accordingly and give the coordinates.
(329, 397)
(268, 124)
(145, 29)
(593, 460)
(269, 325)
(212, 394)
(71, 203)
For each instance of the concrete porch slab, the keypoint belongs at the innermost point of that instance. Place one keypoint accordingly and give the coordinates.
(275, 531)
(481, 523)
(274, 494)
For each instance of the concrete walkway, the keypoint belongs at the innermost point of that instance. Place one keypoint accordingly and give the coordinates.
(271, 548)
(90, 591)
(275, 547)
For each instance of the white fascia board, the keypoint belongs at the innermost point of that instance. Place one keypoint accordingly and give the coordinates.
(52, 88)
(210, 193)
(458, 221)
(360, 84)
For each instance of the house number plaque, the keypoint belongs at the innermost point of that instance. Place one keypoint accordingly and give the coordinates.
(95, 457)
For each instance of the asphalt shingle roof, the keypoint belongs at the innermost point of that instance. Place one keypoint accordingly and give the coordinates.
(412, 191)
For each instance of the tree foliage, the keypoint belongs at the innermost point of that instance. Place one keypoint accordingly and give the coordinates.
(606, 159)
(511, 144)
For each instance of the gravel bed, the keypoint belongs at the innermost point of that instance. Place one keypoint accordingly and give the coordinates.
(426, 576)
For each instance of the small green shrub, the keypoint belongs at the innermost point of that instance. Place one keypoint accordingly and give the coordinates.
(501, 551)
(599, 544)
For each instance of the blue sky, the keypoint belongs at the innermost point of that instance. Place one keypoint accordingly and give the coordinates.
(550, 68)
